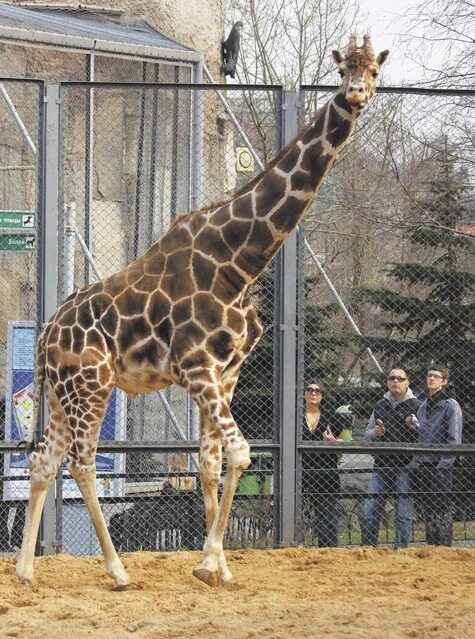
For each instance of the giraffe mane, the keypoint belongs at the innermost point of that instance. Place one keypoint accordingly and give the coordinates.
(242, 191)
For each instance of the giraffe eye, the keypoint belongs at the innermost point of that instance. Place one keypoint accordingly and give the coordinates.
(340, 73)
(375, 74)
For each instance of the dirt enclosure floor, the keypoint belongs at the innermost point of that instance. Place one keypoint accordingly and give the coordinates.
(292, 593)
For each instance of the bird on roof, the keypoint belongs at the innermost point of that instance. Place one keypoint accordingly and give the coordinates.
(230, 49)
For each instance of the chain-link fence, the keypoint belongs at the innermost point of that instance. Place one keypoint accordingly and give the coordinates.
(134, 159)
(378, 247)
(20, 175)
(387, 291)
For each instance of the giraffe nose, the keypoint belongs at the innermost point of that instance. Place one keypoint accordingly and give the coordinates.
(356, 94)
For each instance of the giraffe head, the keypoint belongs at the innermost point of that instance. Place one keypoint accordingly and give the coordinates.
(359, 69)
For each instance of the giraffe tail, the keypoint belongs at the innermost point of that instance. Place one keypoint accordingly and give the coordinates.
(28, 445)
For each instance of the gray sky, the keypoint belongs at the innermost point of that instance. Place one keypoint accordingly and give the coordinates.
(387, 21)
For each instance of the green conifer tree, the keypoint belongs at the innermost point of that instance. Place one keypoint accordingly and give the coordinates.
(433, 318)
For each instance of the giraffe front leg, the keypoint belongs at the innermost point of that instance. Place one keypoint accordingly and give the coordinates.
(213, 569)
(210, 473)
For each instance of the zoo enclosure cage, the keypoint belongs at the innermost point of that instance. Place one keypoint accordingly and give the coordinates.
(132, 173)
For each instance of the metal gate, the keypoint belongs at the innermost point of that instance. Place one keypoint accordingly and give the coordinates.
(115, 164)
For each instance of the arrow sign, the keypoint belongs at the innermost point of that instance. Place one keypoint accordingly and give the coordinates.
(17, 219)
(17, 242)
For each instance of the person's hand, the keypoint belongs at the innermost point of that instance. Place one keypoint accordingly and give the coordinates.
(328, 436)
(379, 429)
(410, 423)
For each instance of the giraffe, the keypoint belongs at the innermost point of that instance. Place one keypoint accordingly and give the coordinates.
(181, 314)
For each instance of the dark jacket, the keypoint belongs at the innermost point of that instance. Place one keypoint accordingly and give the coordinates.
(319, 470)
(440, 422)
(393, 415)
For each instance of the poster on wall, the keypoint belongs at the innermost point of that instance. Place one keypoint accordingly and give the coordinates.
(19, 417)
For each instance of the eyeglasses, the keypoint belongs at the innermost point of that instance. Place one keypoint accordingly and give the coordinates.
(435, 375)
(313, 391)
(396, 378)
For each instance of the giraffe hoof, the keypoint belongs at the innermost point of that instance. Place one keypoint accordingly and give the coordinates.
(24, 577)
(121, 587)
(212, 579)
(227, 577)
(26, 581)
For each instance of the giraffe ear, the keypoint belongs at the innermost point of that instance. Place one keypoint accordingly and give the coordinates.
(337, 56)
(382, 57)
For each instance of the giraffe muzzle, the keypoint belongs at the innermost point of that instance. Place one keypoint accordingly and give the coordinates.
(356, 96)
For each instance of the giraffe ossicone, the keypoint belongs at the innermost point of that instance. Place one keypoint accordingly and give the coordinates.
(181, 314)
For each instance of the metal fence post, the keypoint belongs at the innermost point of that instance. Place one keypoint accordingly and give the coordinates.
(49, 268)
(286, 275)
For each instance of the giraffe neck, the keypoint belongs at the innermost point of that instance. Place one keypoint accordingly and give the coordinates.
(262, 216)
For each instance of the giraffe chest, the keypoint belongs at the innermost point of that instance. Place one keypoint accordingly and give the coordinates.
(139, 381)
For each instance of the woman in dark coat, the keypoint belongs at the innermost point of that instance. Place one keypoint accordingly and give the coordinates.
(320, 479)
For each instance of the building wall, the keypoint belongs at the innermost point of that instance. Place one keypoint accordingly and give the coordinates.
(196, 24)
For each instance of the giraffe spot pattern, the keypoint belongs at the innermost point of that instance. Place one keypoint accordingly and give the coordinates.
(179, 314)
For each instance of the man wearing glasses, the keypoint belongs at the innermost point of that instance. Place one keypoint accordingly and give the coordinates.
(391, 421)
(440, 422)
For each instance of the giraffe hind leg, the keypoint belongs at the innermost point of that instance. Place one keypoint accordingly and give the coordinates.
(82, 466)
(85, 477)
(44, 464)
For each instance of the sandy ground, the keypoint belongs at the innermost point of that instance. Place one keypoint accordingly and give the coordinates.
(278, 594)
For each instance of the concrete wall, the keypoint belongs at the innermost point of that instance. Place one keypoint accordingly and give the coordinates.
(196, 24)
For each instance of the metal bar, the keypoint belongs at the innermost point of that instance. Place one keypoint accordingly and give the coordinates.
(67, 286)
(19, 167)
(152, 189)
(40, 250)
(350, 448)
(140, 170)
(210, 86)
(196, 200)
(89, 169)
(287, 350)
(340, 302)
(375, 448)
(174, 158)
(17, 119)
(175, 423)
(262, 87)
(239, 128)
(23, 80)
(401, 90)
(197, 147)
(87, 253)
(49, 271)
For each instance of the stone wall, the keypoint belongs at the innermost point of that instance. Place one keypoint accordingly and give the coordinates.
(196, 24)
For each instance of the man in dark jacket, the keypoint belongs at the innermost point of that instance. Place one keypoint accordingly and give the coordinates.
(440, 422)
(391, 421)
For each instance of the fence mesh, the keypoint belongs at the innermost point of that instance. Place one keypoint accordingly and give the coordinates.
(393, 229)
(134, 159)
(19, 166)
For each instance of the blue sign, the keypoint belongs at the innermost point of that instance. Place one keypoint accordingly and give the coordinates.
(19, 416)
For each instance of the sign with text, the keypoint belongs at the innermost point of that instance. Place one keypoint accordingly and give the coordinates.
(17, 242)
(17, 219)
